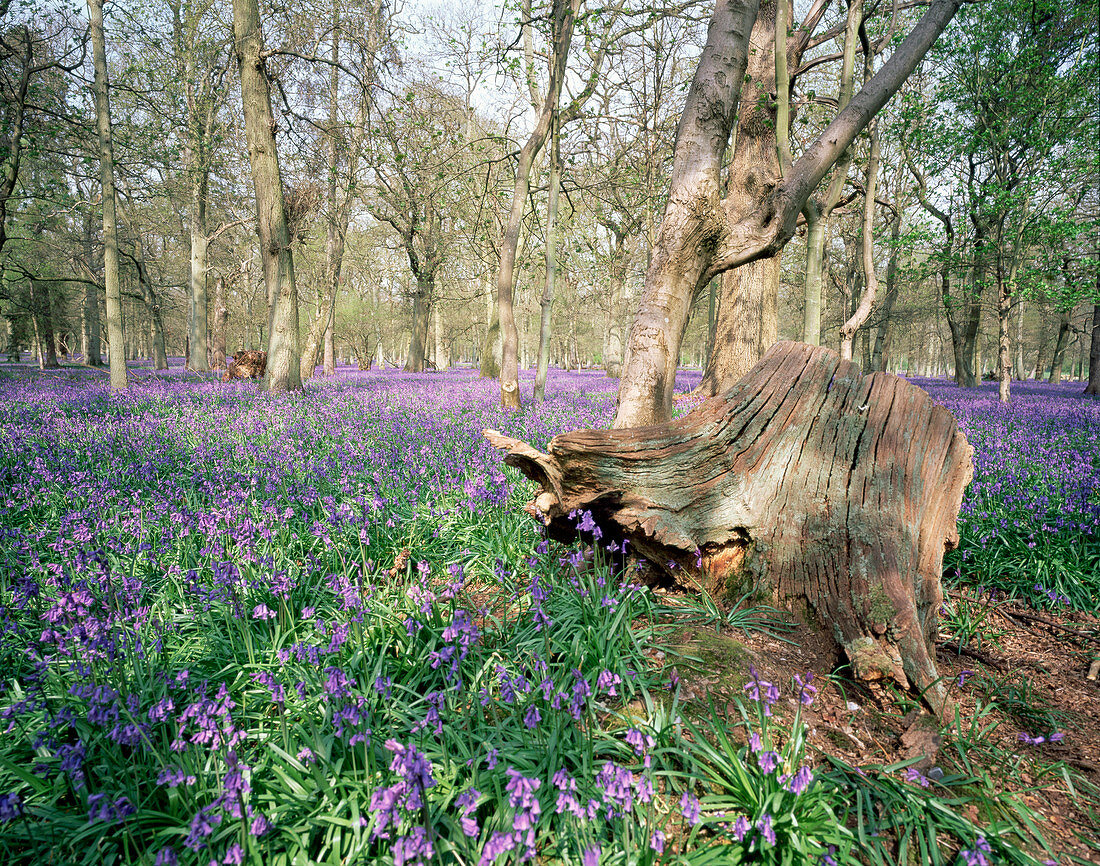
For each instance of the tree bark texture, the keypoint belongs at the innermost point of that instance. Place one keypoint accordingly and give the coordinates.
(282, 371)
(833, 492)
(739, 330)
(116, 357)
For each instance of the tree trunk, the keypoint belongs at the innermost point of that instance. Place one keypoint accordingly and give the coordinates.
(701, 237)
(815, 265)
(1058, 357)
(1020, 365)
(1044, 344)
(1004, 343)
(115, 350)
(738, 330)
(158, 352)
(880, 357)
(221, 320)
(819, 213)
(747, 304)
(90, 344)
(330, 341)
(42, 313)
(680, 257)
(963, 318)
(834, 493)
(613, 357)
(547, 301)
(320, 336)
(439, 350)
(418, 340)
(197, 326)
(283, 359)
(9, 166)
(1093, 387)
(490, 346)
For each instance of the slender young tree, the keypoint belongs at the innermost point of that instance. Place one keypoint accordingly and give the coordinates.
(116, 354)
(867, 248)
(551, 259)
(563, 16)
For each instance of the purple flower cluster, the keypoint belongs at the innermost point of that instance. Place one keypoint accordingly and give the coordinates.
(1056, 737)
(406, 795)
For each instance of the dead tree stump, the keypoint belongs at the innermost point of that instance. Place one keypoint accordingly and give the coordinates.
(246, 364)
(833, 493)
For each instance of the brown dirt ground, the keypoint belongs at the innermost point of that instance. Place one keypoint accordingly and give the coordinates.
(1027, 673)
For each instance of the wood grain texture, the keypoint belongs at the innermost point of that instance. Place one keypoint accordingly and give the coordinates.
(832, 492)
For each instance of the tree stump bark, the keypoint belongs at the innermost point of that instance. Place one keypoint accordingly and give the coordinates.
(833, 493)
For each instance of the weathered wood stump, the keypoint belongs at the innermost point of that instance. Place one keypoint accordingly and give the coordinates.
(246, 364)
(833, 493)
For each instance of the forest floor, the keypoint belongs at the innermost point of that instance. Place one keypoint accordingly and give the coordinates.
(1024, 679)
(253, 541)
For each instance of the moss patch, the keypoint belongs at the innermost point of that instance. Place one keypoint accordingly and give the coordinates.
(722, 659)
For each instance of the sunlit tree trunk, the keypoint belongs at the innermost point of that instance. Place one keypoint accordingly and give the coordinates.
(282, 342)
(197, 330)
(116, 348)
